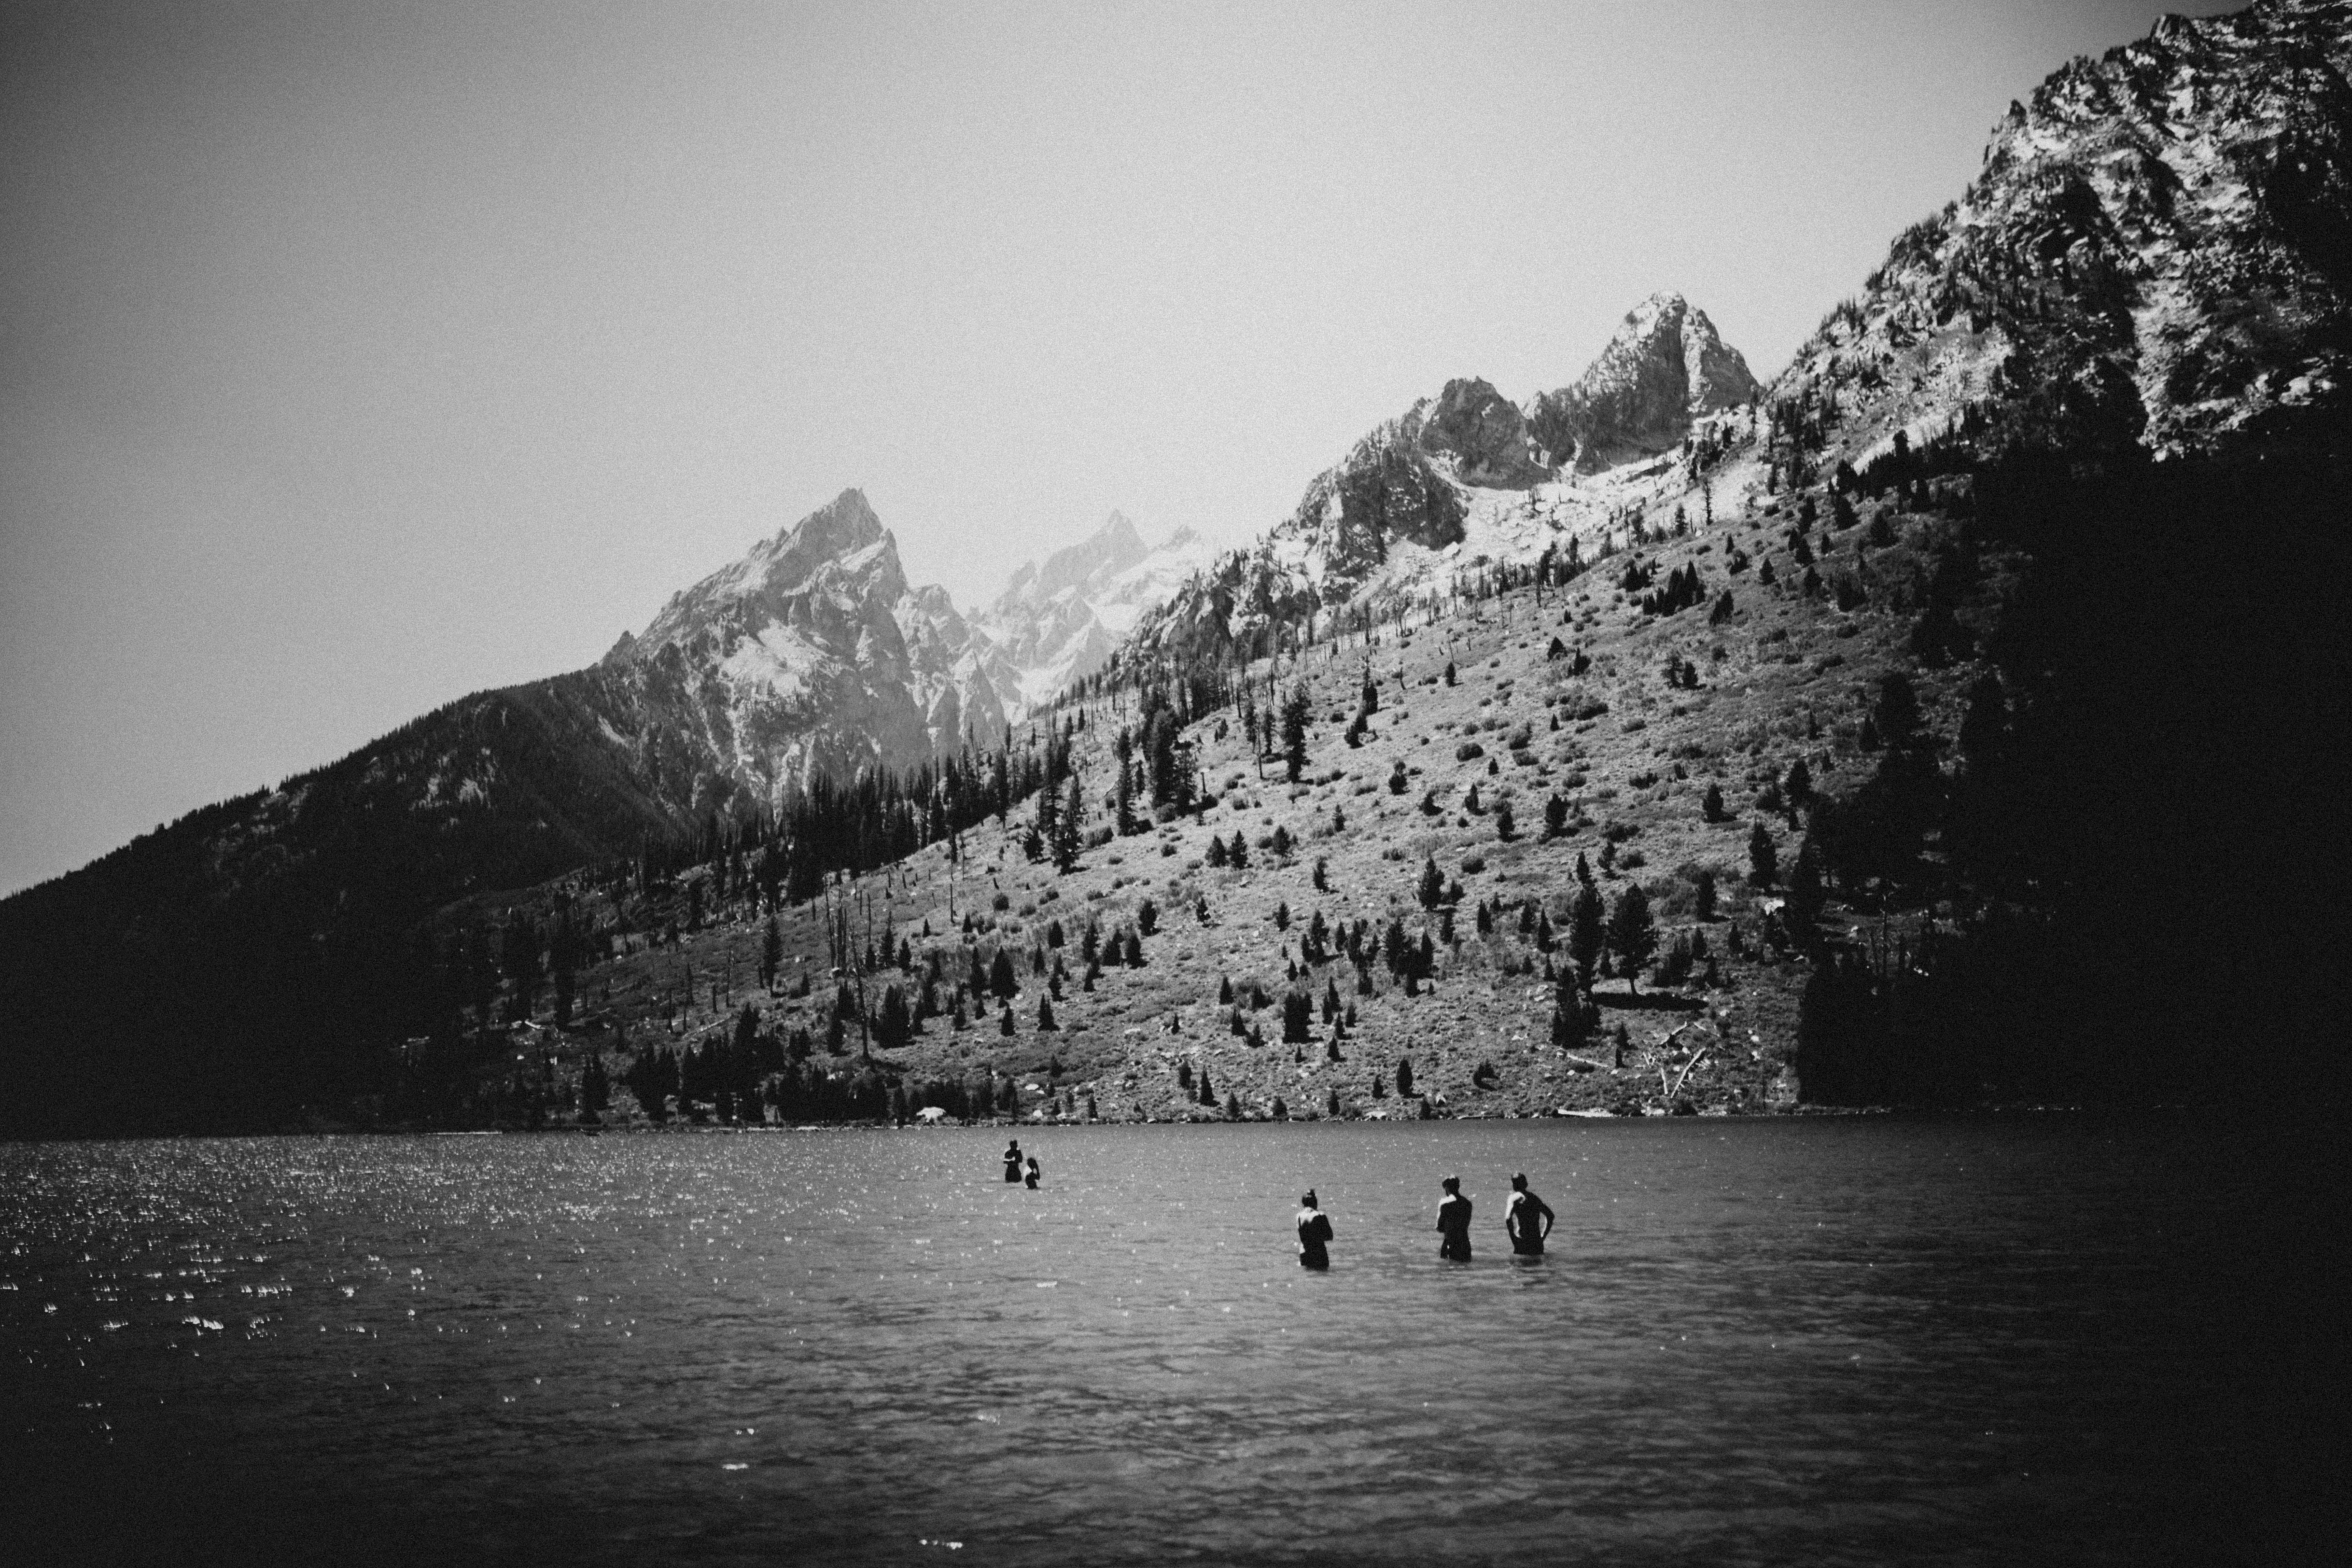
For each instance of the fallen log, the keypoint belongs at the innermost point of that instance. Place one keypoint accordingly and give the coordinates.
(1684, 1076)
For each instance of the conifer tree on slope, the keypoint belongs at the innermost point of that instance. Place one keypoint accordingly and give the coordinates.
(1633, 934)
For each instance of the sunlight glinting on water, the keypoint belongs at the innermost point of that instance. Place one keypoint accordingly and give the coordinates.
(1750, 1341)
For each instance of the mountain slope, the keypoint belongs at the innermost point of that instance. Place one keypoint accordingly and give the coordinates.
(2052, 402)
(2154, 256)
(1467, 479)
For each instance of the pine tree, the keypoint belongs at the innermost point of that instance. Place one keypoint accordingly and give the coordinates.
(1128, 823)
(1798, 787)
(1633, 934)
(892, 1028)
(1554, 816)
(1297, 1018)
(1585, 934)
(1432, 889)
(1405, 1078)
(1711, 804)
(1763, 861)
(1043, 832)
(1294, 732)
(1067, 828)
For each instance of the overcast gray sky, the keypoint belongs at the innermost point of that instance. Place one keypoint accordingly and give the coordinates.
(353, 357)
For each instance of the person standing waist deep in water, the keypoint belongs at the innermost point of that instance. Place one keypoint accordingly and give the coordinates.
(1033, 1173)
(1454, 1222)
(1528, 1220)
(1314, 1234)
(1012, 1160)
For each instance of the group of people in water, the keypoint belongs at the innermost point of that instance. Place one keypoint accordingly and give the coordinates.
(1527, 1221)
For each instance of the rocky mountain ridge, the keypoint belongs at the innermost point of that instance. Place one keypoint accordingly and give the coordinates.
(819, 656)
(2154, 256)
(2154, 260)
(1466, 477)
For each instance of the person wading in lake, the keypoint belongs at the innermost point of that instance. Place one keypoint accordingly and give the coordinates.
(1314, 1234)
(1454, 1222)
(1012, 1160)
(1033, 1173)
(1528, 1220)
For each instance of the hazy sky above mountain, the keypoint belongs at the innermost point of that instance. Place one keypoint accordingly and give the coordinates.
(353, 357)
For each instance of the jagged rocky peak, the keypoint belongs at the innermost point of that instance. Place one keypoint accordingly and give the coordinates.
(2157, 253)
(839, 553)
(1665, 366)
(792, 659)
(1481, 435)
(1385, 491)
(1057, 622)
(1110, 550)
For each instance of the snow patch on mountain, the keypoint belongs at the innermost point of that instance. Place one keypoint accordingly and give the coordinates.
(1467, 479)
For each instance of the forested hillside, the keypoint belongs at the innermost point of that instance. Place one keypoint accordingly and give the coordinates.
(1943, 722)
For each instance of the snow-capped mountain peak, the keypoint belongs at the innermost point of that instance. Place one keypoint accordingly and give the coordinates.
(1058, 622)
(1110, 550)
(840, 551)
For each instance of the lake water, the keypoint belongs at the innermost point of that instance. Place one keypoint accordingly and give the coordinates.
(1989, 1340)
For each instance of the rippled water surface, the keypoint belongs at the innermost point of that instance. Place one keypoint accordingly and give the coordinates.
(1857, 1340)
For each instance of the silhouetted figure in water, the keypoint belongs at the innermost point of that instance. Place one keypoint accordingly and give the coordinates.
(1314, 1234)
(1528, 1220)
(1031, 1179)
(1454, 1222)
(1012, 1160)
